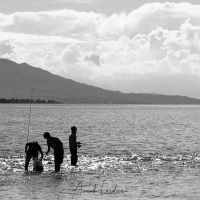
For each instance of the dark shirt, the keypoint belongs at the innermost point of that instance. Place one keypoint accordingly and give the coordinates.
(32, 149)
(72, 142)
(55, 144)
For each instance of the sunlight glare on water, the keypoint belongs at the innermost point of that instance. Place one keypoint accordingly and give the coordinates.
(129, 152)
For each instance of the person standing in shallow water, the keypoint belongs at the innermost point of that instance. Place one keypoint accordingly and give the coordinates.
(31, 150)
(57, 146)
(73, 144)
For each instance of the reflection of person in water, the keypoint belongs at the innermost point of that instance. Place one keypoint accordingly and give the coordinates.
(73, 146)
(31, 150)
(57, 146)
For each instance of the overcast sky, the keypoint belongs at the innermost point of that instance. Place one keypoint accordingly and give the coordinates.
(126, 45)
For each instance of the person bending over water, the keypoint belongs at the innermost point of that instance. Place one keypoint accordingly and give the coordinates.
(57, 146)
(73, 144)
(31, 150)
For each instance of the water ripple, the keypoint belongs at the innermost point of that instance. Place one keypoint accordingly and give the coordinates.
(129, 163)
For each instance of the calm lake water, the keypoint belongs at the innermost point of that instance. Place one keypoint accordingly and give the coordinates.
(129, 152)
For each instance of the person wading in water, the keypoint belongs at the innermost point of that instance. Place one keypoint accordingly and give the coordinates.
(73, 144)
(57, 146)
(31, 150)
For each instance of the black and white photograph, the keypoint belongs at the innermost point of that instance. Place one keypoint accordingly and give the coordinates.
(99, 99)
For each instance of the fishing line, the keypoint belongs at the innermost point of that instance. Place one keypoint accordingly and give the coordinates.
(29, 117)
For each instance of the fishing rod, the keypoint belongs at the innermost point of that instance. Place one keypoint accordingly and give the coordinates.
(29, 117)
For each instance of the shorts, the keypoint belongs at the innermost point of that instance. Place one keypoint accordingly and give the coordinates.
(58, 157)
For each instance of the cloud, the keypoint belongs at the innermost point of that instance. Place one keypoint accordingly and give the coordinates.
(6, 47)
(54, 23)
(94, 59)
(67, 22)
(71, 55)
(155, 48)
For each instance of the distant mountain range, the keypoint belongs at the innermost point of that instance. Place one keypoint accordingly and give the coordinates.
(16, 81)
